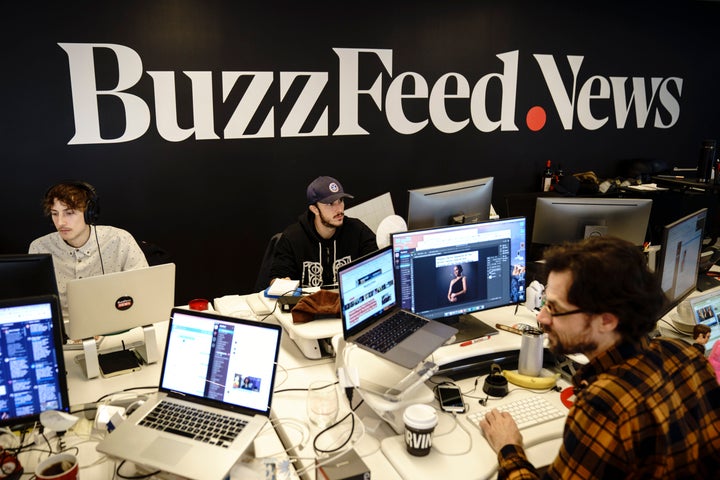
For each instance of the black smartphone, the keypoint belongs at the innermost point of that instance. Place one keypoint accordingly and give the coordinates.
(451, 399)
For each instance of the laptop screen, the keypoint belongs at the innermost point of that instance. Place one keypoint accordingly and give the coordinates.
(221, 359)
(367, 289)
(32, 369)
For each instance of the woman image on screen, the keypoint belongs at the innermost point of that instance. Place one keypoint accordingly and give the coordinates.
(458, 284)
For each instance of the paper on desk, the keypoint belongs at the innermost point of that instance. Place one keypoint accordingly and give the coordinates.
(647, 187)
(282, 286)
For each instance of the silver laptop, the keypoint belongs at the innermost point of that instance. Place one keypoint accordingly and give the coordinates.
(116, 302)
(213, 365)
(373, 319)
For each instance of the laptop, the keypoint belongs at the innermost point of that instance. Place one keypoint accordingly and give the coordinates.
(215, 364)
(32, 367)
(116, 302)
(370, 310)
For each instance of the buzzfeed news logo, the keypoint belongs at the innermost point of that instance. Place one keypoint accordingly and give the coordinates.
(594, 101)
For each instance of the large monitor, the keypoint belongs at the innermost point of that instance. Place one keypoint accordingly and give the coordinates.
(462, 202)
(679, 262)
(32, 369)
(446, 273)
(561, 219)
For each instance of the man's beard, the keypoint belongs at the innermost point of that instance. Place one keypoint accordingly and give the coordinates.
(583, 345)
(327, 222)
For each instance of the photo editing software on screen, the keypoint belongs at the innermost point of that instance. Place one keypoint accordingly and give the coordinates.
(449, 271)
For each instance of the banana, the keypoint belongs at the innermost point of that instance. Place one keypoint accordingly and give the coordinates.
(526, 381)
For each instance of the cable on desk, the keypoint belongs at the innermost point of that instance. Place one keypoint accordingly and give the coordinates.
(673, 327)
(149, 387)
(457, 423)
(134, 477)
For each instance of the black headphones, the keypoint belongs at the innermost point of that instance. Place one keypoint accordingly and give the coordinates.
(92, 207)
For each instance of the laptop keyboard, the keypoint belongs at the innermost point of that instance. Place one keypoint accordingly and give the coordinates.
(194, 423)
(392, 331)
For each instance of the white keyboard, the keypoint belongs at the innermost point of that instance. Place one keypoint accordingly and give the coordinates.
(526, 412)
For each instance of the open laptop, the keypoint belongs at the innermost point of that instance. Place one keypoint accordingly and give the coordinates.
(212, 363)
(32, 367)
(119, 301)
(368, 305)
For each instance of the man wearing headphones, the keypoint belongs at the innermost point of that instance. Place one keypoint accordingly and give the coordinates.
(79, 247)
(322, 240)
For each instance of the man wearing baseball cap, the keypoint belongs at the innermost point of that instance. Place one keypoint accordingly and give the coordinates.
(322, 240)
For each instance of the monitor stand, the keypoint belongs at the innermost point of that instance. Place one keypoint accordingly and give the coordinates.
(468, 327)
(147, 348)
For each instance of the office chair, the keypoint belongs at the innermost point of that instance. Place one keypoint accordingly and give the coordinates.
(263, 277)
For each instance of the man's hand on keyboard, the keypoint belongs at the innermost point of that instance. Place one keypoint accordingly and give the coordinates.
(500, 429)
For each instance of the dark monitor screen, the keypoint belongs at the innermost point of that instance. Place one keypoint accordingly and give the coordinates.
(558, 220)
(462, 202)
(679, 262)
(32, 366)
(490, 255)
(27, 275)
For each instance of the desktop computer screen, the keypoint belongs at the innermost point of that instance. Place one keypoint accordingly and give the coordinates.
(569, 219)
(32, 367)
(679, 262)
(448, 272)
(462, 202)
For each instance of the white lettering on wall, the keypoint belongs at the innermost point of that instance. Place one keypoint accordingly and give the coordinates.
(595, 101)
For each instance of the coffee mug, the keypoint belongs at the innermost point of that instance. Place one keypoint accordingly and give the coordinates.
(63, 466)
(420, 421)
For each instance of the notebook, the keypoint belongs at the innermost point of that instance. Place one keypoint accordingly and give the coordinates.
(370, 312)
(32, 365)
(119, 301)
(216, 364)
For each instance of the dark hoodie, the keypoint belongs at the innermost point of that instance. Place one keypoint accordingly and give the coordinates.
(301, 254)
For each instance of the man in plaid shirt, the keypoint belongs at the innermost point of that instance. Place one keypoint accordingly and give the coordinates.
(643, 408)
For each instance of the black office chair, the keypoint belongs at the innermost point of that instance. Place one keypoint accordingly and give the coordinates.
(263, 278)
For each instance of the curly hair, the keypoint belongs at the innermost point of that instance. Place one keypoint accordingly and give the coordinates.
(74, 195)
(610, 275)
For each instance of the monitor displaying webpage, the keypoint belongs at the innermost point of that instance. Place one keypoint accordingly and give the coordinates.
(460, 269)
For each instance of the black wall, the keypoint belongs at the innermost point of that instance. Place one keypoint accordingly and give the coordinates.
(214, 203)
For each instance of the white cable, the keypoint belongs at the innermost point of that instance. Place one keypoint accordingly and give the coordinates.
(456, 424)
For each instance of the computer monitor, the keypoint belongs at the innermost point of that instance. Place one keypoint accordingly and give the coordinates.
(679, 262)
(462, 202)
(489, 256)
(27, 275)
(32, 366)
(561, 219)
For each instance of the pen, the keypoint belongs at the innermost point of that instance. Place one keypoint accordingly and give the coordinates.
(671, 176)
(475, 340)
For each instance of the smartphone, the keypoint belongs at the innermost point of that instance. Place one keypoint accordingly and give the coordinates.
(451, 399)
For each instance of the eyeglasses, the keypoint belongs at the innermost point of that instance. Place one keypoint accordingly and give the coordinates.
(545, 306)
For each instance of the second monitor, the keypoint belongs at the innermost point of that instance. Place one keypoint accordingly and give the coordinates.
(446, 273)
(462, 202)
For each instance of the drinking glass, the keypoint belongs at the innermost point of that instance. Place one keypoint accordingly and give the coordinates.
(322, 403)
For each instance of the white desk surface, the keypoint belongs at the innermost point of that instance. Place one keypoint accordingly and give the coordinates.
(382, 449)
(83, 392)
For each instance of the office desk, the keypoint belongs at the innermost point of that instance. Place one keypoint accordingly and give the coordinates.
(381, 448)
